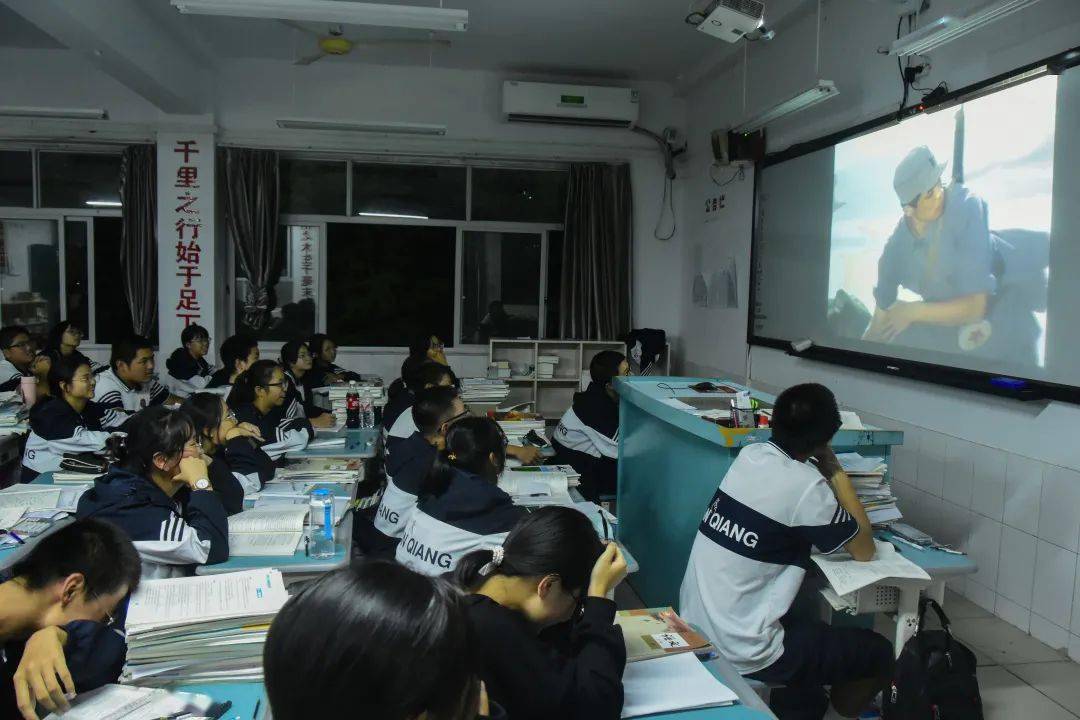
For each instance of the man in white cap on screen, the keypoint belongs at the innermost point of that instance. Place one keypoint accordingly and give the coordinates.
(942, 250)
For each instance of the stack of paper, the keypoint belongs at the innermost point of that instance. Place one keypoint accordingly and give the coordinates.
(545, 366)
(371, 389)
(670, 684)
(201, 629)
(872, 486)
(483, 390)
(334, 470)
(13, 415)
(122, 702)
(502, 369)
(536, 488)
(17, 500)
(846, 575)
(265, 531)
(517, 425)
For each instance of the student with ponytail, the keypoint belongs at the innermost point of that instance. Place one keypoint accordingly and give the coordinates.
(159, 493)
(551, 570)
(258, 398)
(238, 466)
(296, 360)
(461, 508)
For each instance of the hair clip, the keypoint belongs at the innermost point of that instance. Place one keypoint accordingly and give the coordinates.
(451, 456)
(497, 555)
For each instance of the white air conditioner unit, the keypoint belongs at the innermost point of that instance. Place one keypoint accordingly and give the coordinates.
(555, 104)
(731, 20)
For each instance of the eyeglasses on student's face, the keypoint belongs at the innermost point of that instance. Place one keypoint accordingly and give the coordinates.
(27, 345)
(283, 384)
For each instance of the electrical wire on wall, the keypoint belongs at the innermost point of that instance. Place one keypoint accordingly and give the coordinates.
(667, 199)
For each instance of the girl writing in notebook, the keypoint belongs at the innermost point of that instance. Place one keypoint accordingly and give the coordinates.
(552, 570)
(258, 397)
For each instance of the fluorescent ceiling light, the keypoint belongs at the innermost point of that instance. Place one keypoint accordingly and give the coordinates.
(823, 90)
(392, 215)
(332, 11)
(947, 29)
(390, 128)
(104, 203)
(56, 113)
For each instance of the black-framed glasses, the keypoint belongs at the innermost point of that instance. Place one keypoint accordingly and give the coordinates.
(27, 345)
(460, 416)
(283, 384)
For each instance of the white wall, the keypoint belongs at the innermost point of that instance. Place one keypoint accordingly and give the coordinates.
(996, 477)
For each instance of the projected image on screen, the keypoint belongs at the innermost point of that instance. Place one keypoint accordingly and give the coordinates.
(940, 237)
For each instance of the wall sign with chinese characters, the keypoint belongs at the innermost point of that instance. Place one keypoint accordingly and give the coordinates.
(714, 205)
(185, 166)
(304, 263)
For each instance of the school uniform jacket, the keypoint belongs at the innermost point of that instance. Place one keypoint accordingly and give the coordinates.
(402, 429)
(55, 429)
(281, 434)
(239, 469)
(587, 438)
(575, 676)
(406, 471)
(298, 399)
(121, 401)
(397, 405)
(219, 379)
(470, 515)
(187, 375)
(10, 376)
(316, 377)
(172, 534)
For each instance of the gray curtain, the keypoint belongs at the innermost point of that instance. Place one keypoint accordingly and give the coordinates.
(138, 241)
(251, 214)
(595, 296)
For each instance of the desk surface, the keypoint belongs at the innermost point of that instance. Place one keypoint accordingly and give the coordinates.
(244, 696)
(937, 563)
(358, 444)
(295, 564)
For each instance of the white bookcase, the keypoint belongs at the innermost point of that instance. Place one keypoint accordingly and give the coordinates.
(550, 396)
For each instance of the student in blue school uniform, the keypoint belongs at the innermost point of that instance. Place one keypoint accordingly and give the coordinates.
(238, 466)
(258, 398)
(159, 493)
(189, 372)
(461, 508)
(55, 605)
(129, 385)
(434, 411)
(587, 436)
(551, 574)
(749, 558)
(296, 360)
(324, 368)
(425, 376)
(18, 349)
(392, 645)
(238, 353)
(67, 421)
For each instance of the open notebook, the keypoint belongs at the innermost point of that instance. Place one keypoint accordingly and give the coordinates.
(273, 530)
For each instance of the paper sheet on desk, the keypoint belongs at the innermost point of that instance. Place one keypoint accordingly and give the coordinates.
(850, 420)
(669, 684)
(846, 575)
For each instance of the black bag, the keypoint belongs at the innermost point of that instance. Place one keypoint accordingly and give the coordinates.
(935, 676)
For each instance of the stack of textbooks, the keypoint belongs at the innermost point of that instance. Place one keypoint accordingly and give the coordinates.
(372, 390)
(540, 484)
(201, 629)
(545, 366)
(517, 424)
(868, 477)
(483, 390)
(13, 414)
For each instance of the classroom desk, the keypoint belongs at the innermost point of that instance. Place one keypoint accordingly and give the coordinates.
(670, 464)
(359, 444)
(11, 554)
(244, 696)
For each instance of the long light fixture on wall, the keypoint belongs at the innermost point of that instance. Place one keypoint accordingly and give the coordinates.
(946, 29)
(822, 91)
(54, 113)
(388, 128)
(333, 11)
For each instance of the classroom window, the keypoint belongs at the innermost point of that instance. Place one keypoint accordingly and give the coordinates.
(554, 284)
(386, 284)
(112, 312)
(421, 192)
(16, 178)
(79, 180)
(294, 304)
(312, 187)
(30, 274)
(76, 283)
(500, 285)
(519, 195)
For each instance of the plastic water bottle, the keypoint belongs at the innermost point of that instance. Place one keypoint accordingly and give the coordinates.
(352, 407)
(321, 519)
(367, 414)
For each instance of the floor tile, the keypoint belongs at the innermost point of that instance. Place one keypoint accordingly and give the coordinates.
(1060, 681)
(958, 607)
(1006, 697)
(1005, 644)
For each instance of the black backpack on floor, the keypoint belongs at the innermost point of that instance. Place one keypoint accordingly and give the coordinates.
(935, 676)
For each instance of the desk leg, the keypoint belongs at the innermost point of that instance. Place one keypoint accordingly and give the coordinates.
(936, 592)
(907, 618)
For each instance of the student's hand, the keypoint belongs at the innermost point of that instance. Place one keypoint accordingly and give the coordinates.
(42, 676)
(674, 622)
(484, 710)
(332, 378)
(323, 421)
(527, 454)
(827, 463)
(244, 430)
(191, 471)
(609, 571)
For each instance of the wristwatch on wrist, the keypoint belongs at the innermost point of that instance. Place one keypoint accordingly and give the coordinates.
(202, 484)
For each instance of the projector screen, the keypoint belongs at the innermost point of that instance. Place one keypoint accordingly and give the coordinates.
(950, 238)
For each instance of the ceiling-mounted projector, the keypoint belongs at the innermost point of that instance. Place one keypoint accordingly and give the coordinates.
(731, 20)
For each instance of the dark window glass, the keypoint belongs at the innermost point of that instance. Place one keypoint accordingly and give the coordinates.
(30, 274)
(112, 313)
(71, 180)
(76, 261)
(500, 286)
(421, 191)
(294, 311)
(389, 283)
(312, 187)
(16, 178)
(554, 284)
(519, 195)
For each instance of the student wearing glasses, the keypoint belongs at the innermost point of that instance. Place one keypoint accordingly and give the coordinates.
(551, 573)
(19, 353)
(258, 398)
(189, 372)
(461, 506)
(238, 466)
(296, 359)
(435, 410)
(159, 492)
(52, 609)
